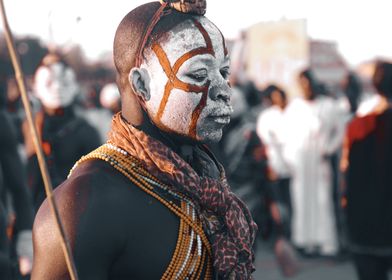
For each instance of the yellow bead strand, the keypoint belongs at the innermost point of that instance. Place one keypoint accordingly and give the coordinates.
(186, 262)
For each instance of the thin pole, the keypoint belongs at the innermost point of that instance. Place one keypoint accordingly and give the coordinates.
(41, 160)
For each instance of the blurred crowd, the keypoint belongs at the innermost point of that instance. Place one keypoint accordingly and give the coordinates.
(72, 118)
(313, 169)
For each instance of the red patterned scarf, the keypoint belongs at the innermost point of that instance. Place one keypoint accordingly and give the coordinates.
(226, 219)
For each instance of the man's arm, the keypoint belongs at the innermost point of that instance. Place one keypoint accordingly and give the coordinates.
(49, 262)
(93, 252)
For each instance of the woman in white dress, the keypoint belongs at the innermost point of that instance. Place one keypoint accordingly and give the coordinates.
(314, 132)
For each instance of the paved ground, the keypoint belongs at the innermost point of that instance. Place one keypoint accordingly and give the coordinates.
(311, 269)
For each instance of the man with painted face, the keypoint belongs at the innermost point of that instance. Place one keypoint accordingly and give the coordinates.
(65, 136)
(153, 203)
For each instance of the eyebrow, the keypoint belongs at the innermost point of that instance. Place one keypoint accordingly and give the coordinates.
(209, 61)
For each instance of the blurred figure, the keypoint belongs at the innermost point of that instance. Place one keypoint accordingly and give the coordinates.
(243, 155)
(348, 98)
(13, 182)
(271, 128)
(111, 104)
(314, 133)
(368, 104)
(100, 116)
(352, 89)
(65, 136)
(253, 98)
(110, 98)
(367, 160)
(369, 100)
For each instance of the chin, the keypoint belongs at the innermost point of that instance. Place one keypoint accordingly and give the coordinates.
(211, 137)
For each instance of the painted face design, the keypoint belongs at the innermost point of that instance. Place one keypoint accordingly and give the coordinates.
(190, 92)
(55, 85)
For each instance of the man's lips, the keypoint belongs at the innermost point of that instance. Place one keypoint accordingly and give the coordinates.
(220, 118)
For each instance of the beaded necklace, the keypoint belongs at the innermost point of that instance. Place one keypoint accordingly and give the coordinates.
(192, 255)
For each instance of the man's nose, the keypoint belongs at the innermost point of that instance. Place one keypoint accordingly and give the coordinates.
(220, 91)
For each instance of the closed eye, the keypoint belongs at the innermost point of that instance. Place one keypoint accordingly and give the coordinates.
(199, 75)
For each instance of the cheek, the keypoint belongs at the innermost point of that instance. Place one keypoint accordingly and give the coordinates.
(157, 89)
(178, 112)
(206, 130)
(152, 105)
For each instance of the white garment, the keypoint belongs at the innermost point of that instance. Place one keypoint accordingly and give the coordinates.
(368, 104)
(271, 130)
(314, 131)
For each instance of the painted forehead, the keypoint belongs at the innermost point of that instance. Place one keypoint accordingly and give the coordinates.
(189, 36)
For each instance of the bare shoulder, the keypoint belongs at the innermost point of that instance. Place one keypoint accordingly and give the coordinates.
(78, 197)
(92, 182)
(70, 197)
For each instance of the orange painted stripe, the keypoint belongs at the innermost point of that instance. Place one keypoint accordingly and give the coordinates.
(164, 101)
(163, 60)
(187, 56)
(206, 37)
(197, 112)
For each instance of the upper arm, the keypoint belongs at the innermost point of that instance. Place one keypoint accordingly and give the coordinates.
(49, 261)
(91, 251)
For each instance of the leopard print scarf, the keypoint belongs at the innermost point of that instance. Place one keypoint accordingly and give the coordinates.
(226, 219)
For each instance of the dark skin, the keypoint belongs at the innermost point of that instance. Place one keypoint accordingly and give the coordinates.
(107, 252)
(133, 222)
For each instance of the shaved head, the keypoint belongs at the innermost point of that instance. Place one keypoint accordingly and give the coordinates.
(181, 79)
(128, 39)
(129, 36)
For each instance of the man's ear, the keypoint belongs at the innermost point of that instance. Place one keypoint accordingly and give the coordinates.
(140, 82)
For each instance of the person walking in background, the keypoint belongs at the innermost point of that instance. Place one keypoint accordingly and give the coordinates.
(65, 136)
(314, 132)
(367, 160)
(271, 128)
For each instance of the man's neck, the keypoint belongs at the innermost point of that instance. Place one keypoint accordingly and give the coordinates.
(178, 144)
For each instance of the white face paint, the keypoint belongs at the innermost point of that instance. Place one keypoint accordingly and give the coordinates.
(195, 101)
(55, 85)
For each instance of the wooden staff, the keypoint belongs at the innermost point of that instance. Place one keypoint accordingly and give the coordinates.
(41, 160)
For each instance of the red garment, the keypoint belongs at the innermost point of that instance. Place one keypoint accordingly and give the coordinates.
(369, 184)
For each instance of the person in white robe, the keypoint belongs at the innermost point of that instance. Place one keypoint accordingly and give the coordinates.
(314, 131)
